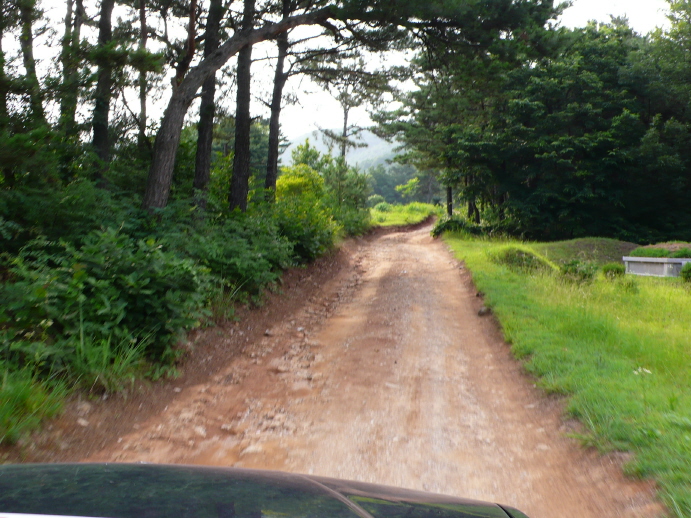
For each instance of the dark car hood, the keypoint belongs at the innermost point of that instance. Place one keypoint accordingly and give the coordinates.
(172, 491)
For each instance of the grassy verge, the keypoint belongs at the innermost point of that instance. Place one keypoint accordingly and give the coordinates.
(387, 215)
(620, 350)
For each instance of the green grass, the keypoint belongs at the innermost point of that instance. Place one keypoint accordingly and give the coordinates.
(387, 215)
(619, 350)
(599, 250)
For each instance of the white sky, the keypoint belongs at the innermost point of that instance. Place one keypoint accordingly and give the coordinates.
(319, 109)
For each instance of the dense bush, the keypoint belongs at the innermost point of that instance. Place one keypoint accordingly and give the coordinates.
(578, 271)
(686, 272)
(375, 200)
(613, 270)
(456, 224)
(383, 207)
(245, 251)
(523, 259)
(112, 288)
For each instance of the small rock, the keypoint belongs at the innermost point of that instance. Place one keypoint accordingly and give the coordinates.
(83, 408)
(82, 422)
(268, 333)
(200, 431)
(479, 294)
(484, 310)
(177, 389)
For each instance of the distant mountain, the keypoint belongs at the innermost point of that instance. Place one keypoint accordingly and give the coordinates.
(378, 150)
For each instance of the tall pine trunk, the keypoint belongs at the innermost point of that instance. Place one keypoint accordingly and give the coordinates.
(143, 36)
(27, 12)
(104, 84)
(4, 87)
(449, 201)
(280, 78)
(239, 184)
(168, 137)
(70, 66)
(207, 109)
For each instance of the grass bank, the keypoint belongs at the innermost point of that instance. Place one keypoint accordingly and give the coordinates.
(619, 350)
(388, 215)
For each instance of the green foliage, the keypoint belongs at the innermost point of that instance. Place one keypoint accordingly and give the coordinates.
(383, 207)
(521, 258)
(24, 402)
(578, 271)
(244, 250)
(299, 180)
(103, 367)
(304, 220)
(613, 271)
(456, 223)
(111, 288)
(372, 201)
(685, 273)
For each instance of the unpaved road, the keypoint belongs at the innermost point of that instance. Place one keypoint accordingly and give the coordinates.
(387, 374)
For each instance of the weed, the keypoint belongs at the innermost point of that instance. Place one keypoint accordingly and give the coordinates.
(685, 273)
(521, 258)
(613, 271)
(578, 271)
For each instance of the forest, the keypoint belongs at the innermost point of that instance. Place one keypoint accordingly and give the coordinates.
(136, 204)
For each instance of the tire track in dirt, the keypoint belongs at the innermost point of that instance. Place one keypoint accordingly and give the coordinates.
(389, 376)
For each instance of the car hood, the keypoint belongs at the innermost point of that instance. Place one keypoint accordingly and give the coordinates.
(162, 491)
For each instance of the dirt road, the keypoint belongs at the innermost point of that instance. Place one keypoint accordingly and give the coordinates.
(387, 374)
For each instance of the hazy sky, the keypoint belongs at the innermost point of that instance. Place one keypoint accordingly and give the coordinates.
(319, 108)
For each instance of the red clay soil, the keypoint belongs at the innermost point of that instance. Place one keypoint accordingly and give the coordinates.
(371, 365)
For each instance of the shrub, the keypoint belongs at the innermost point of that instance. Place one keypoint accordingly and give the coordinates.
(111, 288)
(244, 250)
(354, 222)
(299, 180)
(383, 207)
(522, 259)
(375, 200)
(612, 271)
(686, 272)
(455, 224)
(578, 271)
(307, 224)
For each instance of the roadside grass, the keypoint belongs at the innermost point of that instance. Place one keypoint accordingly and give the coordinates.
(619, 350)
(388, 215)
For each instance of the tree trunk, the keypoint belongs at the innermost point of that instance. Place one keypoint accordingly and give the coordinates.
(239, 183)
(205, 129)
(104, 85)
(143, 36)
(280, 78)
(184, 64)
(70, 64)
(66, 59)
(344, 135)
(449, 201)
(168, 137)
(26, 41)
(4, 90)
